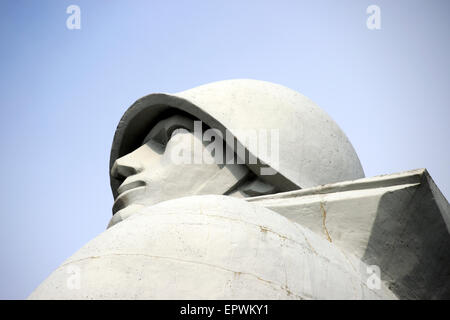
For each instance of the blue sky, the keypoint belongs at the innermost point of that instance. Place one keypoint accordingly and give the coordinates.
(62, 93)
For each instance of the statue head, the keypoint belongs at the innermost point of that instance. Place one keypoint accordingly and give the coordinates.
(173, 161)
(266, 138)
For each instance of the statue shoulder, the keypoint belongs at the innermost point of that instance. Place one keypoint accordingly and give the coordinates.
(210, 247)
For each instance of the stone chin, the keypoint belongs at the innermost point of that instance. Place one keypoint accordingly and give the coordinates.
(127, 198)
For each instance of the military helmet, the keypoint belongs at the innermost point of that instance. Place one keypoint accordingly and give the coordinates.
(313, 150)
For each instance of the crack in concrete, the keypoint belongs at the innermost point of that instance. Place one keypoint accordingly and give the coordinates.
(310, 245)
(235, 273)
(262, 228)
(324, 218)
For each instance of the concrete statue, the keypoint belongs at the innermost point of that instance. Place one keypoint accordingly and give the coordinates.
(244, 189)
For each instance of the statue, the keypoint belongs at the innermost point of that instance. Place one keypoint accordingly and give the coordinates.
(244, 189)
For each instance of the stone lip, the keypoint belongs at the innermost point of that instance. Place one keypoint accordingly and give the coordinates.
(313, 150)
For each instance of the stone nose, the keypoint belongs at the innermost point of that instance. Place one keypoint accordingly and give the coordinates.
(125, 166)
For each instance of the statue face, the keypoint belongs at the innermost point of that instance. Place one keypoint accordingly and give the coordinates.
(153, 172)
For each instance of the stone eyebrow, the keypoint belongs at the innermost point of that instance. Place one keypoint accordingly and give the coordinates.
(163, 130)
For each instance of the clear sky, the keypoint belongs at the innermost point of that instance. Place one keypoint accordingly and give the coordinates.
(62, 93)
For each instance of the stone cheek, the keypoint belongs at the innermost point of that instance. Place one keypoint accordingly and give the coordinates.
(208, 247)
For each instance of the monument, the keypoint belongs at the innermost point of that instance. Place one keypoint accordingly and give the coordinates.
(244, 189)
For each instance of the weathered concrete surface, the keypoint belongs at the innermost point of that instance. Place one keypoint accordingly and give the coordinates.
(399, 222)
(210, 247)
